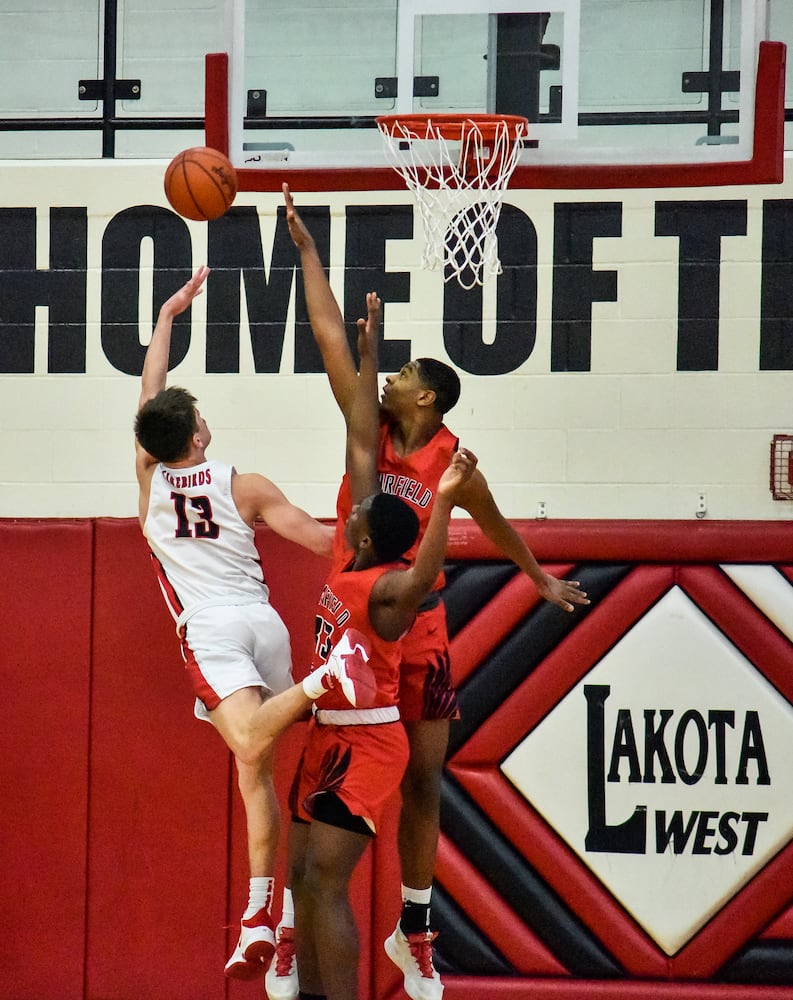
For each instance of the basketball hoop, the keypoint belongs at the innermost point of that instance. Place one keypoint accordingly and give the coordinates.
(458, 168)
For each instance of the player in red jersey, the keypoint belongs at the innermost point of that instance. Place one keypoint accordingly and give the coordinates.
(415, 442)
(354, 759)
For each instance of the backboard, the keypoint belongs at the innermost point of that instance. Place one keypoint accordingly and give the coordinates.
(618, 93)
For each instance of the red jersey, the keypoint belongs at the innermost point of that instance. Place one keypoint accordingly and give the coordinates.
(413, 477)
(343, 604)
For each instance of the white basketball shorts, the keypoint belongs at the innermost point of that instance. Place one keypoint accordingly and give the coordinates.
(231, 647)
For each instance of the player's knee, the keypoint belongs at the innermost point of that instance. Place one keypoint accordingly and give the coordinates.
(251, 775)
(248, 747)
(321, 878)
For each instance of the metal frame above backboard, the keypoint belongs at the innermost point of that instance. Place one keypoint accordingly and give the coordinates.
(757, 157)
(235, 74)
(411, 10)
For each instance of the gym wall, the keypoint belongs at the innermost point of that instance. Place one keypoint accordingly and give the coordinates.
(633, 361)
(616, 820)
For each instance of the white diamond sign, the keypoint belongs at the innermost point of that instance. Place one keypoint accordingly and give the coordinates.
(667, 770)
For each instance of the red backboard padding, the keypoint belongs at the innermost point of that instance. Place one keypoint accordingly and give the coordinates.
(45, 568)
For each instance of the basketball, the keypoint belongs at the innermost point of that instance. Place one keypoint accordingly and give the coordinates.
(200, 183)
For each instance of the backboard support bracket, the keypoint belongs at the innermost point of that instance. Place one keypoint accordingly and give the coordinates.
(423, 86)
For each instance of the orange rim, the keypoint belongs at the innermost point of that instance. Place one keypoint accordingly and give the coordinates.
(452, 127)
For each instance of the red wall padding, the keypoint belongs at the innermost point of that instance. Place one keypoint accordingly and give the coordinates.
(123, 835)
(160, 790)
(45, 671)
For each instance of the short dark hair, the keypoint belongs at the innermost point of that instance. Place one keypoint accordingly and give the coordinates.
(443, 380)
(393, 526)
(166, 423)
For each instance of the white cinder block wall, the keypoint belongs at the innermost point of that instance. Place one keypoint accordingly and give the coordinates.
(631, 438)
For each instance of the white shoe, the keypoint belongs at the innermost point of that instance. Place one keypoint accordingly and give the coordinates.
(280, 981)
(413, 955)
(348, 668)
(254, 949)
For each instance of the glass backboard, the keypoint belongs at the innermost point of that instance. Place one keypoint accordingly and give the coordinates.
(606, 85)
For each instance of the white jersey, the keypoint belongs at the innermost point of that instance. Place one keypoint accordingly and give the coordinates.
(203, 550)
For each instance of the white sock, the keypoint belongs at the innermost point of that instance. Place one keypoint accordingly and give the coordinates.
(260, 895)
(287, 910)
(312, 683)
(421, 896)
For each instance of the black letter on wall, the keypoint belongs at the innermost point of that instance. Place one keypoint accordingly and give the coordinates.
(368, 229)
(630, 836)
(235, 247)
(516, 305)
(62, 288)
(575, 284)
(121, 282)
(700, 226)
(317, 220)
(776, 290)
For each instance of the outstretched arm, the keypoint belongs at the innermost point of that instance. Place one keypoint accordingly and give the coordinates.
(259, 499)
(477, 500)
(327, 322)
(363, 434)
(155, 365)
(397, 595)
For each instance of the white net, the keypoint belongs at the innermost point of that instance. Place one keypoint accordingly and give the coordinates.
(458, 169)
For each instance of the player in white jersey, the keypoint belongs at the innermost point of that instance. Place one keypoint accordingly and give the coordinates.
(210, 575)
(198, 517)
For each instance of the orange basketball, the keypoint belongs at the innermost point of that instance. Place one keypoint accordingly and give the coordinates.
(200, 183)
